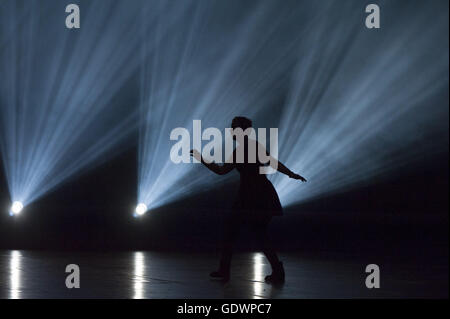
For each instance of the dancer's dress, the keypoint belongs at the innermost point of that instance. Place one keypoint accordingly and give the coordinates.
(257, 198)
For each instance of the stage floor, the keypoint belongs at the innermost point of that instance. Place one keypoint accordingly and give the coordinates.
(36, 274)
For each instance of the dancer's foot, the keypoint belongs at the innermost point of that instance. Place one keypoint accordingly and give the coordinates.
(277, 276)
(220, 275)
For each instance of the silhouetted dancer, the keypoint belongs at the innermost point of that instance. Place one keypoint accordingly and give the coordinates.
(256, 203)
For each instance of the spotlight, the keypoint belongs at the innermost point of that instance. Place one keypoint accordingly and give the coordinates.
(16, 207)
(141, 209)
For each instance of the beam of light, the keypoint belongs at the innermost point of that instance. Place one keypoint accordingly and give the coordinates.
(15, 274)
(139, 276)
(359, 102)
(61, 106)
(362, 103)
(222, 59)
(355, 107)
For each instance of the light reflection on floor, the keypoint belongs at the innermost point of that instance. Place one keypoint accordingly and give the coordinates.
(139, 275)
(35, 274)
(259, 286)
(15, 261)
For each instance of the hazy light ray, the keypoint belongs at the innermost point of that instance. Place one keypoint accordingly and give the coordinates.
(215, 99)
(375, 105)
(352, 102)
(56, 128)
(164, 113)
(149, 112)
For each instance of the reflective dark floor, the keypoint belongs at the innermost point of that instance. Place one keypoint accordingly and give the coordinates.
(34, 274)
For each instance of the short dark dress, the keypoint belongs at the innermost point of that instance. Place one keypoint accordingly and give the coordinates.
(256, 197)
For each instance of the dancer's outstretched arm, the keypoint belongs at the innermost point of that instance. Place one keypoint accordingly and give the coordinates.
(218, 169)
(228, 167)
(281, 167)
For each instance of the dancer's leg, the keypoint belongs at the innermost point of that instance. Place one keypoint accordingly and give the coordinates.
(277, 266)
(264, 239)
(230, 233)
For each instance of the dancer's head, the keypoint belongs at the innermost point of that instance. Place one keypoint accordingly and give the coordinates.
(241, 122)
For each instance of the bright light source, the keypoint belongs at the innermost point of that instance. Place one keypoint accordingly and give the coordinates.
(141, 209)
(16, 207)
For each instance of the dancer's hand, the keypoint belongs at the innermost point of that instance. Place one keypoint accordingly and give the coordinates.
(296, 176)
(196, 154)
